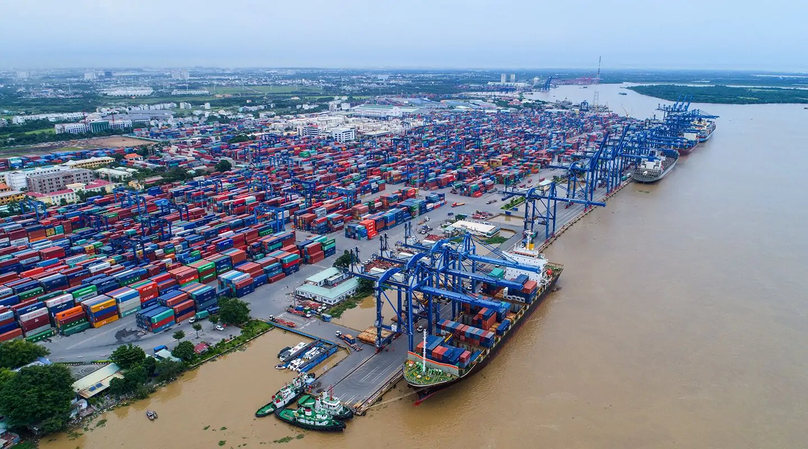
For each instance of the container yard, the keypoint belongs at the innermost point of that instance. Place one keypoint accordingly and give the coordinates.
(147, 261)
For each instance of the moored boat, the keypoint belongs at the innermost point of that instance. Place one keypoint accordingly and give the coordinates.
(704, 129)
(328, 404)
(469, 342)
(307, 418)
(285, 396)
(655, 166)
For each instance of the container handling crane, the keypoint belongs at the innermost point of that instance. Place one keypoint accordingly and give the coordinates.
(166, 206)
(350, 194)
(37, 207)
(304, 188)
(129, 198)
(274, 215)
(431, 284)
(541, 203)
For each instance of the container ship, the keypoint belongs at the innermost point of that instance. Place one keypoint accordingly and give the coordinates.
(704, 129)
(465, 345)
(656, 166)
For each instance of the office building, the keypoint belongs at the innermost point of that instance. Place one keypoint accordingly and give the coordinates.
(343, 135)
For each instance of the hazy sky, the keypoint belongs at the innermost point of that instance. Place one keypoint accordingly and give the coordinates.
(686, 34)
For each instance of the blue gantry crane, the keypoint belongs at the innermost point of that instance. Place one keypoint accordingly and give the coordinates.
(541, 205)
(350, 194)
(306, 189)
(37, 207)
(273, 215)
(166, 206)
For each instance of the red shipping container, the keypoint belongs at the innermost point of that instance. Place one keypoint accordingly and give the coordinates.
(10, 335)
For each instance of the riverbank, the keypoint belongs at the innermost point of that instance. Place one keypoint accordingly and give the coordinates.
(213, 403)
(723, 94)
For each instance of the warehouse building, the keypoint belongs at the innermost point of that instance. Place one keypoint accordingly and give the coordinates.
(478, 229)
(93, 162)
(329, 286)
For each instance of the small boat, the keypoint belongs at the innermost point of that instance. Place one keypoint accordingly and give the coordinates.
(282, 398)
(151, 415)
(307, 418)
(280, 366)
(622, 93)
(327, 404)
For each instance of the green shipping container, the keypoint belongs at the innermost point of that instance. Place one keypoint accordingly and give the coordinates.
(82, 326)
(41, 336)
(85, 292)
(74, 324)
(31, 293)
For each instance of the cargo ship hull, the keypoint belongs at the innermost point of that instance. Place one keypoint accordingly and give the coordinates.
(426, 392)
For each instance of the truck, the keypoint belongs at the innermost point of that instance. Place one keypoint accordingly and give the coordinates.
(282, 322)
(457, 204)
(349, 340)
(199, 316)
(300, 311)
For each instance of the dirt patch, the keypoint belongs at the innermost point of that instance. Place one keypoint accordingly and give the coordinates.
(73, 145)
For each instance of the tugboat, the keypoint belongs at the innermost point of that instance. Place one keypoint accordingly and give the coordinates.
(327, 404)
(285, 395)
(307, 418)
(655, 166)
(151, 415)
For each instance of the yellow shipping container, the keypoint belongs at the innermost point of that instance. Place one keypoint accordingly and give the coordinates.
(102, 306)
(111, 319)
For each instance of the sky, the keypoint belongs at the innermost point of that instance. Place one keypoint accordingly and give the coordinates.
(641, 34)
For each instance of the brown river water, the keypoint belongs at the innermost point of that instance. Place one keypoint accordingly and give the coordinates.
(681, 322)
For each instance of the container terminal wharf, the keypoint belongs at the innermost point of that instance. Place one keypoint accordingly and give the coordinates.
(132, 267)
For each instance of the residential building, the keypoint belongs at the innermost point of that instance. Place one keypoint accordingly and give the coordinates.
(18, 179)
(115, 174)
(51, 182)
(97, 186)
(4, 187)
(308, 131)
(71, 128)
(93, 162)
(133, 157)
(343, 135)
(11, 196)
(55, 198)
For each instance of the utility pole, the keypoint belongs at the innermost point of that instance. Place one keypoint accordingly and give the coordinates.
(597, 81)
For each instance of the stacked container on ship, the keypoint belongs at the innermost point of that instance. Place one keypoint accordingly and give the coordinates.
(466, 344)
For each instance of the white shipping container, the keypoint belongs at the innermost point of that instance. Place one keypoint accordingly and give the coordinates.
(98, 267)
(19, 242)
(34, 315)
(30, 260)
(61, 299)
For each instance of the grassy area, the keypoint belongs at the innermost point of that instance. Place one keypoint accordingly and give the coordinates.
(513, 203)
(263, 90)
(496, 240)
(724, 94)
(249, 331)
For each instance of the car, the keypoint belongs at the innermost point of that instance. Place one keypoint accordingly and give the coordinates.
(192, 320)
(219, 327)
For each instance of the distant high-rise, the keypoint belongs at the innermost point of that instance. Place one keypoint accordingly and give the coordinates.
(513, 77)
(88, 76)
(107, 74)
(503, 78)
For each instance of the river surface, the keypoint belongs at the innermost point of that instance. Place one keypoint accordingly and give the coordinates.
(681, 322)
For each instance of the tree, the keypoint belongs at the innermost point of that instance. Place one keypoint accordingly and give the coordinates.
(17, 353)
(169, 370)
(233, 311)
(5, 376)
(179, 335)
(223, 166)
(184, 351)
(149, 364)
(197, 327)
(343, 261)
(366, 287)
(128, 356)
(214, 319)
(38, 395)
